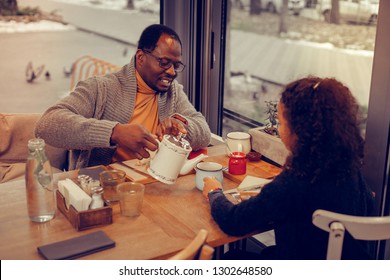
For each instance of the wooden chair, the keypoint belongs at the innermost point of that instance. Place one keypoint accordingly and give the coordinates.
(88, 66)
(360, 228)
(197, 249)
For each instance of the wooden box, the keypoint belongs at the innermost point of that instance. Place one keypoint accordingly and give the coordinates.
(85, 219)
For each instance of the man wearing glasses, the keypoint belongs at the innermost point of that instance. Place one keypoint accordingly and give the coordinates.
(119, 116)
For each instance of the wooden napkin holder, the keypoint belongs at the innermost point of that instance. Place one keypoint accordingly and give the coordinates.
(85, 219)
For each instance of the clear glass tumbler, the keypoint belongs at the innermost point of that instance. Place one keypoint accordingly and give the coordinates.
(109, 180)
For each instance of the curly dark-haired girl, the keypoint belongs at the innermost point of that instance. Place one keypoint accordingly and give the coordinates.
(319, 125)
(323, 115)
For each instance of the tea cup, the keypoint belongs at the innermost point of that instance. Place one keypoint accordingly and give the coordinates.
(207, 169)
(238, 141)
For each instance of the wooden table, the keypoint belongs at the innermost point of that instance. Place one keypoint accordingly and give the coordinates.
(171, 216)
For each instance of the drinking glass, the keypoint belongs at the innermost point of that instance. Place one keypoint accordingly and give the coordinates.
(109, 180)
(131, 197)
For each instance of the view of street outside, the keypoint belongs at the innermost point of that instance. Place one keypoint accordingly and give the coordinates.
(262, 60)
(40, 40)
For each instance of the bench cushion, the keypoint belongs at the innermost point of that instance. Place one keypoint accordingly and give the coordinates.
(15, 131)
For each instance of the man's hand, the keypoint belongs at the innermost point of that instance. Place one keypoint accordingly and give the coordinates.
(135, 138)
(170, 126)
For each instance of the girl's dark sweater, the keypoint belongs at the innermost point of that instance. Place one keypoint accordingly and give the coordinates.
(287, 203)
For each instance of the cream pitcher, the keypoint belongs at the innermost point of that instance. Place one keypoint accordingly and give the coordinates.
(171, 160)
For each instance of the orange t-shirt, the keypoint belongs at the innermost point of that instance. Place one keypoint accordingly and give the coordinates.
(145, 113)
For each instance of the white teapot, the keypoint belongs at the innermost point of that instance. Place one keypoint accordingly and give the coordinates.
(171, 160)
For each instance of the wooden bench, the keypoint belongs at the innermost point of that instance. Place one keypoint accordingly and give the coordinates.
(15, 131)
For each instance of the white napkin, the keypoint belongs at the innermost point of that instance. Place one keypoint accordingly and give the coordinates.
(74, 195)
(250, 183)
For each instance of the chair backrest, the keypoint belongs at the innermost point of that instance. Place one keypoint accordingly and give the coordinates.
(206, 253)
(197, 249)
(360, 228)
(88, 66)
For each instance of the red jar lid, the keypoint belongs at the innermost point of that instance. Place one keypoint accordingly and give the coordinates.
(238, 155)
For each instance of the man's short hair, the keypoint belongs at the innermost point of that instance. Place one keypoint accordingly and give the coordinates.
(152, 34)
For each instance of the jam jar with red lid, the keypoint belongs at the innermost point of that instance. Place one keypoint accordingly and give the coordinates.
(237, 163)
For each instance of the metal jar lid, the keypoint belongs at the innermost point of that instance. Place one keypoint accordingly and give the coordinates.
(179, 141)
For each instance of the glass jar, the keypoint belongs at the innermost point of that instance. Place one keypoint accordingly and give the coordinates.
(237, 163)
(40, 191)
(97, 198)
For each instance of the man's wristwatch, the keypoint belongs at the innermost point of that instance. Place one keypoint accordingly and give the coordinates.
(215, 189)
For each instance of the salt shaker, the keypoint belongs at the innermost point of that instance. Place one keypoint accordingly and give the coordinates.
(84, 183)
(97, 198)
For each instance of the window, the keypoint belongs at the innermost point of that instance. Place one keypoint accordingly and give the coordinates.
(102, 29)
(265, 54)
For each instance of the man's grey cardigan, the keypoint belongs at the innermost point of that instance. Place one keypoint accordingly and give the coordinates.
(83, 121)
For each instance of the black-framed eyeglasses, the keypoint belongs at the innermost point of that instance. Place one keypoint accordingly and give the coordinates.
(166, 63)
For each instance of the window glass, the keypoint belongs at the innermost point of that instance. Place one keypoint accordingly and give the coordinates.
(37, 39)
(267, 50)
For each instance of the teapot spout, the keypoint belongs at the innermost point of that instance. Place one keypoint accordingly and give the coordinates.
(190, 164)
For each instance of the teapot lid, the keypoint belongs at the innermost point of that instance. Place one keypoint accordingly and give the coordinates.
(179, 141)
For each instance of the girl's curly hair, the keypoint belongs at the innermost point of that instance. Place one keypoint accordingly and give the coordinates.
(325, 117)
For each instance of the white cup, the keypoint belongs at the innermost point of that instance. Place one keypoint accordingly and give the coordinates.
(207, 169)
(238, 141)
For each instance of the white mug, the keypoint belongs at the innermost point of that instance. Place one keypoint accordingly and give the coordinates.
(238, 142)
(207, 169)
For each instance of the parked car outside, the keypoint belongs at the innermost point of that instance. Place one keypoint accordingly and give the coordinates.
(273, 6)
(358, 11)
